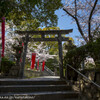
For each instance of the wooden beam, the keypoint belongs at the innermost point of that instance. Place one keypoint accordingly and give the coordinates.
(48, 39)
(45, 32)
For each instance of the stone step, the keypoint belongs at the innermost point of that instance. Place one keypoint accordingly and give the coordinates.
(33, 88)
(56, 95)
(39, 89)
(31, 82)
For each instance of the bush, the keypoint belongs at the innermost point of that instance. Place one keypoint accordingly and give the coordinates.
(6, 65)
(75, 56)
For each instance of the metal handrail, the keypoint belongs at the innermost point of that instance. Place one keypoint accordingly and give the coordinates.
(83, 76)
(47, 69)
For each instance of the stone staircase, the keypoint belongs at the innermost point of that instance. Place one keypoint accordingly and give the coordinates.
(28, 89)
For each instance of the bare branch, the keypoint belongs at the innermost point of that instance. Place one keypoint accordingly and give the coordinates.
(68, 13)
(77, 22)
(89, 22)
(80, 30)
(75, 9)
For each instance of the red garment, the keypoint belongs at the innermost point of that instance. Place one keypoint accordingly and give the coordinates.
(38, 64)
(33, 60)
(3, 35)
(43, 64)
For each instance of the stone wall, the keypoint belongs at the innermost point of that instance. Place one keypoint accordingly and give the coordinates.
(12, 73)
(92, 74)
(89, 90)
(29, 73)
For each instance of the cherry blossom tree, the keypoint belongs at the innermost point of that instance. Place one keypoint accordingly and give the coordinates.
(13, 41)
(86, 14)
(40, 50)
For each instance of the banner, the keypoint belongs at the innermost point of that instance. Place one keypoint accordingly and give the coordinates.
(38, 64)
(43, 64)
(0, 48)
(33, 60)
(22, 44)
(3, 35)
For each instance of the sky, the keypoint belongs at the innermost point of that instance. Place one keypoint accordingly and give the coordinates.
(65, 22)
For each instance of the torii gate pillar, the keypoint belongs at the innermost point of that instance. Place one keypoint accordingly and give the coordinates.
(60, 56)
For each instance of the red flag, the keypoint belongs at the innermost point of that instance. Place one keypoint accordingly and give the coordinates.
(43, 64)
(33, 60)
(3, 35)
(38, 64)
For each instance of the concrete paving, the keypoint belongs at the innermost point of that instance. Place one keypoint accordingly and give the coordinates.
(39, 78)
(47, 78)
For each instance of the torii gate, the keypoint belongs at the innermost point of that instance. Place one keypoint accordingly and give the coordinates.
(59, 38)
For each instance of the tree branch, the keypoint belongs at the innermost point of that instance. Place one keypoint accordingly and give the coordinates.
(89, 22)
(80, 30)
(68, 13)
(75, 9)
(77, 22)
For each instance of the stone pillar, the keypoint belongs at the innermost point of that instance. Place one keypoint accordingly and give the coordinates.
(24, 55)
